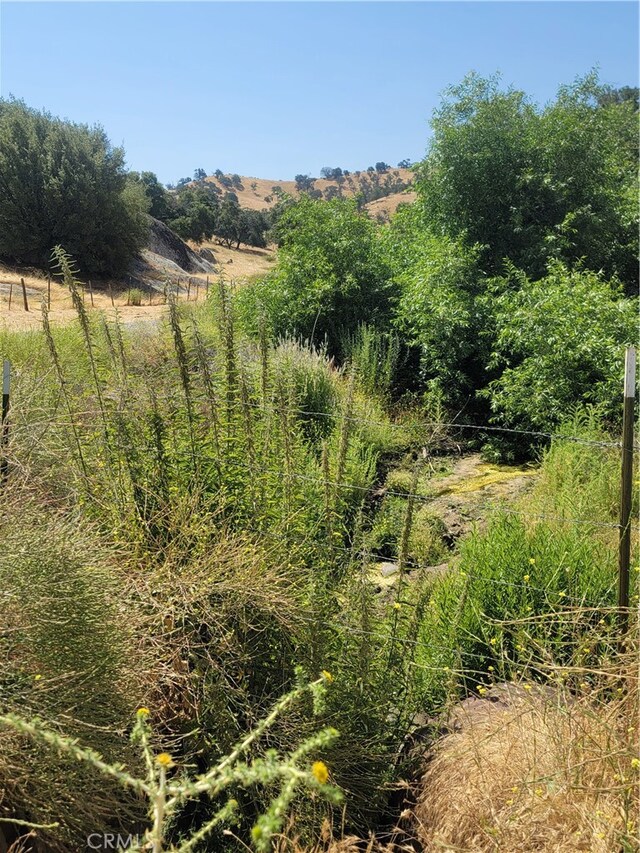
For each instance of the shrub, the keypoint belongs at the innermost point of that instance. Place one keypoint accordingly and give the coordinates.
(331, 275)
(135, 296)
(65, 184)
(559, 343)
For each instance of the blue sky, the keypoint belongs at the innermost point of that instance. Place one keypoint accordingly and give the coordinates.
(273, 89)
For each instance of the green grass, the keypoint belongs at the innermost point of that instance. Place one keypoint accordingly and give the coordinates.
(178, 535)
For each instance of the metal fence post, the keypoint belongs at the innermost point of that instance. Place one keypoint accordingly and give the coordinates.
(624, 548)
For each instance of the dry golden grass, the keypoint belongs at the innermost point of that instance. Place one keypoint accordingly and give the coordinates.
(243, 264)
(388, 205)
(256, 198)
(548, 774)
(15, 317)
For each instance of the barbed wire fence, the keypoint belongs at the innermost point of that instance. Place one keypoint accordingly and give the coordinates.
(625, 446)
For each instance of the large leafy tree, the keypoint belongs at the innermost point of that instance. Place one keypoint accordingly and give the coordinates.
(531, 185)
(438, 311)
(160, 201)
(63, 183)
(193, 214)
(332, 274)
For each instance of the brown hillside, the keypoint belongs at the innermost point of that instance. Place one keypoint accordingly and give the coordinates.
(258, 193)
(385, 207)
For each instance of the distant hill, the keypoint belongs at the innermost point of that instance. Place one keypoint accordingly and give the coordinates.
(382, 191)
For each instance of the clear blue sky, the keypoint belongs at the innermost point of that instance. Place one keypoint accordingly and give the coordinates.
(273, 89)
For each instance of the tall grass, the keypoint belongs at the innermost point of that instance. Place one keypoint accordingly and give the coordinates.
(232, 489)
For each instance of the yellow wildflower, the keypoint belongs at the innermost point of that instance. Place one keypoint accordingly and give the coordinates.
(327, 676)
(532, 561)
(526, 579)
(320, 771)
(635, 763)
(164, 760)
(143, 712)
(37, 677)
(396, 606)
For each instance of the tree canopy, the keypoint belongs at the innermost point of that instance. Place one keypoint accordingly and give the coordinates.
(533, 184)
(64, 184)
(331, 273)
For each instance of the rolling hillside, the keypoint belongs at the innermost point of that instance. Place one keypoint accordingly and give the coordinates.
(262, 193)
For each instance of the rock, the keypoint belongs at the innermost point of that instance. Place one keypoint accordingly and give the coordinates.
(207, 254)
(387, 569)
(164, 242)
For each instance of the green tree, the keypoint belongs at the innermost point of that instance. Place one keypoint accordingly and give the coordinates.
(530, 184)
(304, 183)
(332, 274)
(195, 214)
(160, 205)
(63, 183)
(438, 312)
(228, 227)
(559, 342)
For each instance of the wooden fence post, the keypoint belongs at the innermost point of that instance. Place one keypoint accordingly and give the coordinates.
(624, 548)
(91, 292)
(197, 288)
(4, 437)
(49, 291)
(207, 291)
(10, 293)
(188, 288)
(24, 295)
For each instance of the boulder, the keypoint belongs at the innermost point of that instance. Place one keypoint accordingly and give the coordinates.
(164, 242)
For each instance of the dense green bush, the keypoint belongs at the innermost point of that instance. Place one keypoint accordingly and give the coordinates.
(558, 342)
(532, 184)
(438, 311)
(63, 183)
(331, 275)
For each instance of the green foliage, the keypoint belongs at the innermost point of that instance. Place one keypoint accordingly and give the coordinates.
(331, 275)
(135, 296)
(63, 183)
(165, 794)
(438, 311)
(159, 199)
(235, 225)
(373, 356)
(194, 212)
(559, 341)
(529, 184)
(533, 591)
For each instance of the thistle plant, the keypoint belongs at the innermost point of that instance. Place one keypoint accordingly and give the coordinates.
(167, 791)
